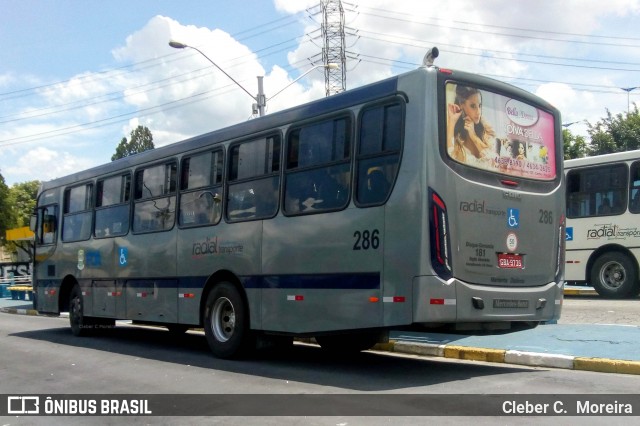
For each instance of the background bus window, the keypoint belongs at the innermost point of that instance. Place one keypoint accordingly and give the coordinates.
(597, 191)
(76, 222)
(318, 167)
(155, 198)
(254, 179)
(634, 188)
(201, 189)
(379, 144)
(112, 206)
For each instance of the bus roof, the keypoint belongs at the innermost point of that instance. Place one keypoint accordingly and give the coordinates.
(602, 159)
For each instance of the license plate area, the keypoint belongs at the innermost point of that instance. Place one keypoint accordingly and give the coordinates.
(510, 261)
(510, 304)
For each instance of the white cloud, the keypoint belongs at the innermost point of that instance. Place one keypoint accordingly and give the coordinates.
(48, 164)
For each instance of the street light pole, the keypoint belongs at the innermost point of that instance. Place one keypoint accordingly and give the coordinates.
(260, 98)
(628, 90)
(178, 45)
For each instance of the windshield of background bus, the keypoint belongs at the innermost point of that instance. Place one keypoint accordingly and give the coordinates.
(493, 132)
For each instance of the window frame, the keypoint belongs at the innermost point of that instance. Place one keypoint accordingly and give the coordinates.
(99, 209)
(230, 182)
(86, 212)
(383, 154)
(288, 171)
(153, 198)
(594, 203)
(210, 188)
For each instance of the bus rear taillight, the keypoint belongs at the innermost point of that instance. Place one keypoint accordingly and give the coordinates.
(439, 235)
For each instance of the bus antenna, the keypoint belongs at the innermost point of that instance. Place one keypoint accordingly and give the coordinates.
(431, 55)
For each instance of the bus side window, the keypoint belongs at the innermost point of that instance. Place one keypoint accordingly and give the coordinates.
(254, 179)
(77, 215)
(318, 169)
(378, 155)
(155, 198)
(112, 206)
(201, 189)
(634, 188)
(48, 219)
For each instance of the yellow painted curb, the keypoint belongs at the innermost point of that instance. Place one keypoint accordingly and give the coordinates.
(474, 354)
(388, 347)
(579, 292)
(604, 365)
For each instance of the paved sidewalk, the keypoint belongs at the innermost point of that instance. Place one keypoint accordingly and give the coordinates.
(592, 347)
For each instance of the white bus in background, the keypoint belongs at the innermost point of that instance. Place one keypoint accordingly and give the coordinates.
(375, 209)
(603, 223)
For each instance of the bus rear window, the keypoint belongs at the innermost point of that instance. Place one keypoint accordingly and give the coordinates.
(494, 132)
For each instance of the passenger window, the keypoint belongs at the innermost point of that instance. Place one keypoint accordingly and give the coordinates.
(201, 189)
(318, 171)
(597, 191)
(379, 145)
(155, 198)
(77, 214)
(254, 179)
(47, 225)
(112, 206)
(634, 188)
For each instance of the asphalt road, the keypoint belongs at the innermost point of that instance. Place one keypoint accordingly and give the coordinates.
(41, 356)
(596, 310)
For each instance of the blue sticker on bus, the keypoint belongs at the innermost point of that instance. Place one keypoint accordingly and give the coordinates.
(513, 218)
(123, 256)
(569, 233)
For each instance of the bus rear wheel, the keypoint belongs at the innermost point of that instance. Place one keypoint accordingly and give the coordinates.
(614, 275)
(226, 322)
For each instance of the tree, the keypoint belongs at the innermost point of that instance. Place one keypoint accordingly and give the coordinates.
(23, 199)
(574, 146)
(141, 140)
(6, 213)
(615, 133)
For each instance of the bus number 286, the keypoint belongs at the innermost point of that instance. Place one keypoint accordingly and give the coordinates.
(366, 240)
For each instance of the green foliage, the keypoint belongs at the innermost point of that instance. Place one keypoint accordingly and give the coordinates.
(615, 133)
(6, 213)
(141, 140)
(23, 199)
(574, 146)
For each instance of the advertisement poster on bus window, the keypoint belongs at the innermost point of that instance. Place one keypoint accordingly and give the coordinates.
(494, 132)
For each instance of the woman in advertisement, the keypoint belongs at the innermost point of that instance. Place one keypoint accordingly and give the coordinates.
(468, 135)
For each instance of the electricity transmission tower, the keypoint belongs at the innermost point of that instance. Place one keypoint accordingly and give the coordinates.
(333, 50)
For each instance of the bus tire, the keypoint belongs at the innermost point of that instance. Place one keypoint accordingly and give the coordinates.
(82, 325)
(348, 343)
(226, 322)
(614, 275)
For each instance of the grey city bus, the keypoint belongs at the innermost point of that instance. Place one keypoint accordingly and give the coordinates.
(392, 205)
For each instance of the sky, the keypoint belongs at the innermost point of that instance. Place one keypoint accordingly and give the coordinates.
(78, 76)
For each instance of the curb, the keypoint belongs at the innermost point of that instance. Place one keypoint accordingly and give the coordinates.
(579, 292)
(31, 312)
(532, 359)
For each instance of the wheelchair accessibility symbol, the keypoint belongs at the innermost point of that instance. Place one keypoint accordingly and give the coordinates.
(513, 218)
(123, 256)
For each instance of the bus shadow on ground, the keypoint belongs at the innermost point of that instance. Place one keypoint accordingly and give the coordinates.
(299, 363)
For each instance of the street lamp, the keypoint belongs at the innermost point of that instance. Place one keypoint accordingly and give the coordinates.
(628, 90)
(260, 98)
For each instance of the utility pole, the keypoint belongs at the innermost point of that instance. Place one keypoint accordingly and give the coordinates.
(333, 51)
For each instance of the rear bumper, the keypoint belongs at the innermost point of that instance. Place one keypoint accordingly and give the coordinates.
(436, 301)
